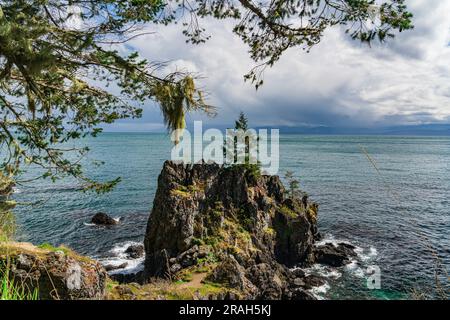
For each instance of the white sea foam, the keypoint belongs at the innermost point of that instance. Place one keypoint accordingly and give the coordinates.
(354, 268)
(320, 291)
(364, 255)
(373, 252)
(328, 238)
(120, 248)
(89, 224)
(119, 257)
(367, 254)
(323, 271)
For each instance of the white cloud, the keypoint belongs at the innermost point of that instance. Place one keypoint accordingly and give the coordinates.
(73, 22)
(340, 82)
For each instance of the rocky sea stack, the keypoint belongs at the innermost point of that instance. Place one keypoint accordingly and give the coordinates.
(214, 233)
(238, 228)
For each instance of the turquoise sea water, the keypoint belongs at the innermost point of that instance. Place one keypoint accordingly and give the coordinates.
(395, 215)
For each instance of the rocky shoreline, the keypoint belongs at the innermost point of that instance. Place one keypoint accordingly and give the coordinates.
(243, 231)
(214, 233)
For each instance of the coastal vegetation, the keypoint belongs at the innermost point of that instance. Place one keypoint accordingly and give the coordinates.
(292, 182)
(64, 73)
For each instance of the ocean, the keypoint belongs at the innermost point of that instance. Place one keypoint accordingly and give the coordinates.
(387, 195)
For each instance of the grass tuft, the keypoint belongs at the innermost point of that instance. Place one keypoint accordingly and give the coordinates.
(10, 290)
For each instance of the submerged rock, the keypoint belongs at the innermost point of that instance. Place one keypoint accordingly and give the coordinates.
(102, 218)
(135, 251)
(242, 228)
(111, 267)
(56, 273)
(312, 281)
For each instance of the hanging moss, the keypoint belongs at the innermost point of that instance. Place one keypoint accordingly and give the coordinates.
(178, 98)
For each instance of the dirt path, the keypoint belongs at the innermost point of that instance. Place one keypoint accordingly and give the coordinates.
(196, 281)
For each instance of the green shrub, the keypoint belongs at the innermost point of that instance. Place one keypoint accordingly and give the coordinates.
(288, 212)
(49, 247)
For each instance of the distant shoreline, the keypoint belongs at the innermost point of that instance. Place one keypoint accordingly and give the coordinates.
(429, 130)
(396, 135)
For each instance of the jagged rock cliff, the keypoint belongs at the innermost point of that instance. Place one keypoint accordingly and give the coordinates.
(239, 228)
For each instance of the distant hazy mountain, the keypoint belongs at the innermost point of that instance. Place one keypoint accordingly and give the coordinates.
(416, 130)
(413, 130)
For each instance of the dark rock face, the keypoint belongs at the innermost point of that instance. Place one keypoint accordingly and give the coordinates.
(56, 275)
(335, 256)
(172, 221)
(103, 219)
(127, 277)
(231, 273)
(245, 222)
(301, 294)
(294, 237)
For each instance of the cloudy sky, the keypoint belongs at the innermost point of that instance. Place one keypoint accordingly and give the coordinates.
(340, 83)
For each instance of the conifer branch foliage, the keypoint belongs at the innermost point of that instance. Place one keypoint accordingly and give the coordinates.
(59, 58)
(270, 27)
(57, 61)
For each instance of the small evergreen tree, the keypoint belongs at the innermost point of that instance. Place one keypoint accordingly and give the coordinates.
(242, 122)
(293, 183)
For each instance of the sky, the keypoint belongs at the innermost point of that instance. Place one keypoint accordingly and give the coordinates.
(339, 83)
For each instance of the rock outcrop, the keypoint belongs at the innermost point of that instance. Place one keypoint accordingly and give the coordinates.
(335, 255)
(54, 273)
(103, 219)
(135, 251)
(239, 227)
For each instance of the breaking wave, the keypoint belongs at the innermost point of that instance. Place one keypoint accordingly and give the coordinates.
(356, 268)
(119, 259)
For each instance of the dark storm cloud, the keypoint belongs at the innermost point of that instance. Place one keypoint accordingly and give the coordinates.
(340, 83)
